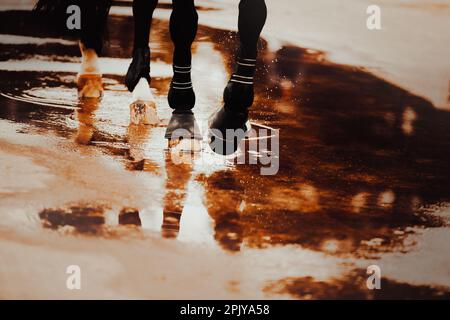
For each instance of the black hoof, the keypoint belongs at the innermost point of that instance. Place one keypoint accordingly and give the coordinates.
(182, 125)
(139, 68)
(227, 128)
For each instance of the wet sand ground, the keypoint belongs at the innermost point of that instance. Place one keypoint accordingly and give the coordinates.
(363, 179)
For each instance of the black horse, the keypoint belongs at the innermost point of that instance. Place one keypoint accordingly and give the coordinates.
(238, 94)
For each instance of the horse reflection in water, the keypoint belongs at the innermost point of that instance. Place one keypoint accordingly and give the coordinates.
(86, 120)
(225, 208)
(178, 176)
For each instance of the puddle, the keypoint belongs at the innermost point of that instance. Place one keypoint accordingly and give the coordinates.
(363, 164)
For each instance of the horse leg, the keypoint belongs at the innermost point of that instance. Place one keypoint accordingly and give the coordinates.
(93, 23)
(137, 79)
(183, 29)
(89, 78)
(238, 95)
(181, 96)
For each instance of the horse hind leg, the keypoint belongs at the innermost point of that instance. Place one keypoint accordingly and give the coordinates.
(93, 26)
(53, 14)
(89, 78)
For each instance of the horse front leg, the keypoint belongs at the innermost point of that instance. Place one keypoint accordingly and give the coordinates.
(183, 29)
(181, 96)
(230, 124)
(137, 79)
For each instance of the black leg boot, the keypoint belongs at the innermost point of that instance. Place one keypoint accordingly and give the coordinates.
(229, 125)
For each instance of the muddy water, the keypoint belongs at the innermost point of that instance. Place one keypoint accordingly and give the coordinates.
(363, 165)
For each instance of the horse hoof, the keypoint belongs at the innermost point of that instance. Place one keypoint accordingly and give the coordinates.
(183, 131)
(89, 86)
(143, 112)
(227, 128)
(182, 124)
(143, 107)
